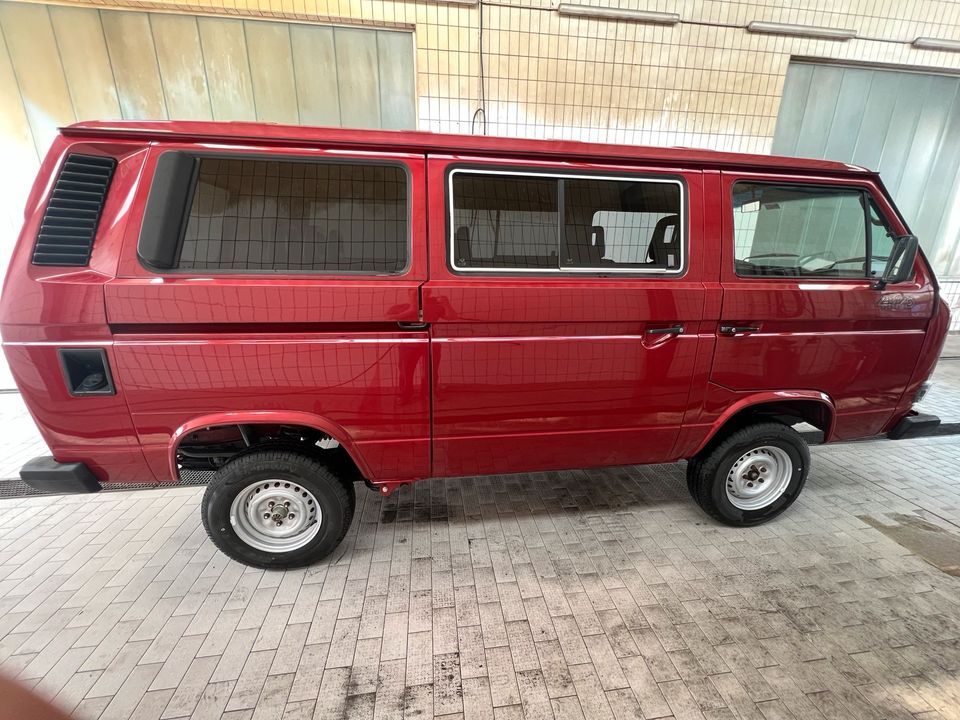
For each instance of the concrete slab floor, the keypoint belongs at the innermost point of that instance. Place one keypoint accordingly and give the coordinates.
(594, 594)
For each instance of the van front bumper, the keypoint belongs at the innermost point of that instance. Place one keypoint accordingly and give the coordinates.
(914, 425)
(49, 476)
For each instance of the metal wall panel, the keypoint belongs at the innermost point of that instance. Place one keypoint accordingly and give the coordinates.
(271, 69)
(180, 59)
(227, 66)
(86, 63)
(397, 89)
(357, 71)
(33, 51)
(315, 66)
(905, 124)
(134, 61)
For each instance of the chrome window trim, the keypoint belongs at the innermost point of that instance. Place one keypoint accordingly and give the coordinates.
(592, 270)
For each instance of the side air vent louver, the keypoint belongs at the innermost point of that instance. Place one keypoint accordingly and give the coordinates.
(73, 212)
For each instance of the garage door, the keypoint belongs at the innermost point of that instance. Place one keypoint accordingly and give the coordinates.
(904, 124)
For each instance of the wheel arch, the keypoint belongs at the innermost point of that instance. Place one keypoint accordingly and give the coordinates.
(266, 417)
(810, 406)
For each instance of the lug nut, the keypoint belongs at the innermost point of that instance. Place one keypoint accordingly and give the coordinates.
(270, 504)
(279, 523)
(266, 516)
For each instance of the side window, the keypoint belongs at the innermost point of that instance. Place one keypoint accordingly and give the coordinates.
(803, 231)
(621, 223)
(503, 221)
(513, 222)
(275, 216)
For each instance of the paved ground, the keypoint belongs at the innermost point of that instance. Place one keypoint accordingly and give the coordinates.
(595, 594)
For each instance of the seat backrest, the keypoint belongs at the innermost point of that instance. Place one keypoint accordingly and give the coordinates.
(461, 246)
(599, 241)
(664, 248)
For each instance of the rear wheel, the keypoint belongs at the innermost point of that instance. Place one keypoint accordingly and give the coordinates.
(751, 476)
(277, 509)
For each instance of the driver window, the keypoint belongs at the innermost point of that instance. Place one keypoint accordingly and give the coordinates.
(802, 231)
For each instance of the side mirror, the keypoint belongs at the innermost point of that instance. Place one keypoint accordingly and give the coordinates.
(900, 263)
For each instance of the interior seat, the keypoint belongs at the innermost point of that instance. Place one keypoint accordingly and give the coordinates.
(462, 254)
(664, 250)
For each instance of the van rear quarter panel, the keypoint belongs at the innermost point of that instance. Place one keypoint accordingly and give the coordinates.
(281, 347)
(46, 308)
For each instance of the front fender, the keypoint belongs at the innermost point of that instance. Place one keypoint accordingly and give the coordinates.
(697, 437)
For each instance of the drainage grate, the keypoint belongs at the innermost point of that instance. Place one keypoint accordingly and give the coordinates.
(15, 488)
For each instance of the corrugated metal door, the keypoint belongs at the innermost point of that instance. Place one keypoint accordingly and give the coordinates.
(904, 124)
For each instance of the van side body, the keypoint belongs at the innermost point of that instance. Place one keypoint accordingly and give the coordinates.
(443, 367)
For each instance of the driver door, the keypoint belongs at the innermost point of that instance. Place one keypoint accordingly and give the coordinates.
(800, 311)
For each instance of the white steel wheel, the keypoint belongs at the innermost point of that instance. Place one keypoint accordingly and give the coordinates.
(275, 516)
(750, 475)
(277, 508)
(759, 477)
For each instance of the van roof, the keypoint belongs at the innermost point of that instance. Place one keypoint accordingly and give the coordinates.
(419, 141)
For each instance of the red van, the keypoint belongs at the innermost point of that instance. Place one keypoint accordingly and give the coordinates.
(296, 309)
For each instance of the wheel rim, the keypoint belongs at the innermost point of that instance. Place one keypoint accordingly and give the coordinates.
(759, 477)
(275, 515)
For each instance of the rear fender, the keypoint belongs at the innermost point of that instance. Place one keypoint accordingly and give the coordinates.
(266, 417)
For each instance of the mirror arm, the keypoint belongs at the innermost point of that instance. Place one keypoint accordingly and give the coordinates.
(898, 254)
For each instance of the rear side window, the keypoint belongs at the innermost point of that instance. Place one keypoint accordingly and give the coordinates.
(525, 222)
(280, 216)
(618, 223)
(807, 231)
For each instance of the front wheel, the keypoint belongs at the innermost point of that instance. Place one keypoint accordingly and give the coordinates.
(751, 476)
(277, 509)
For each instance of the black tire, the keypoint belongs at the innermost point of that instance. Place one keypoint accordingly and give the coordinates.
(334, 496)
(707, 474)
(693, 467)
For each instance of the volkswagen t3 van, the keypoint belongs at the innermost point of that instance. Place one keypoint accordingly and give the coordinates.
(293, 310)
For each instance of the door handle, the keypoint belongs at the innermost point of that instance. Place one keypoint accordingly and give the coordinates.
(738, 329)
(413, 325)
(674, 330)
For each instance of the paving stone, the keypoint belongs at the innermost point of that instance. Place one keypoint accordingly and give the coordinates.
(213, 700)
(188, 692)
(312, 661)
